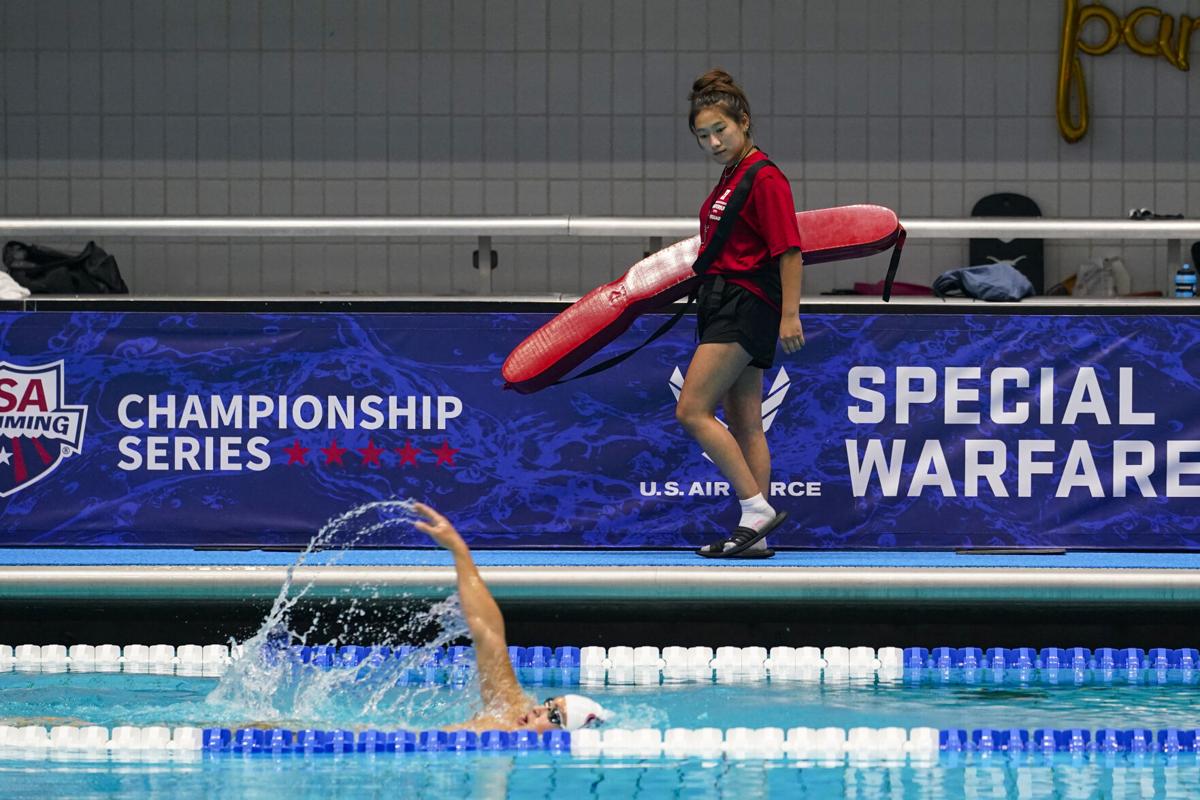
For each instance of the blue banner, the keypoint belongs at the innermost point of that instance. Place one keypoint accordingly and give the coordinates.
(891, 430)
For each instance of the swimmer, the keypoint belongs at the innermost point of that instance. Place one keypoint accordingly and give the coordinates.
(749, 300)
(505, 705)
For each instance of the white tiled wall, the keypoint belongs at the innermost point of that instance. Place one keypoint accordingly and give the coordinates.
(440, 107)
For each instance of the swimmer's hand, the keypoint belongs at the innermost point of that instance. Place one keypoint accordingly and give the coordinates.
(438, 528)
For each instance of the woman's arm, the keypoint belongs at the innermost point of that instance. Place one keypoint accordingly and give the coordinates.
(498, 683)
(791, 275)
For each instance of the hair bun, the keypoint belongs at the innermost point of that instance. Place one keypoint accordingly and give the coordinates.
(716, 89)
(715, 80)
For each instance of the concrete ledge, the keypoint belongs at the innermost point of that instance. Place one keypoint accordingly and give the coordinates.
(823, 585)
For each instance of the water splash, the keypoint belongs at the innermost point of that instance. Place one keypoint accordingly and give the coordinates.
(269, 685)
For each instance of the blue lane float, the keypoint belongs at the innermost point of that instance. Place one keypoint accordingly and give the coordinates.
(1168, 741)
(1050, 658)
(950, 741)
(538, 664)
(1106, 665)
(311, 741)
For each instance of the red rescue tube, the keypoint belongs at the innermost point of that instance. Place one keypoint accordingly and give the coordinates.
(603, 314)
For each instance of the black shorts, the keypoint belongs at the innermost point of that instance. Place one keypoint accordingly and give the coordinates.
(731, 313)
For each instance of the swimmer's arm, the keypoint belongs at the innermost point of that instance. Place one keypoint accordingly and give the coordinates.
(791, 275)
(498, 683)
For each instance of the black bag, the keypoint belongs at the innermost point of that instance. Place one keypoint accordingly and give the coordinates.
(1024, 254)
(43, 270)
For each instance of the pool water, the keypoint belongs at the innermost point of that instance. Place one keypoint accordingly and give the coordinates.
(554, 778)
(143, 699)
(111, 699)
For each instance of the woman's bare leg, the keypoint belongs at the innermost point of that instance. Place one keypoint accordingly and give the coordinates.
(715, 369)
(743, 413)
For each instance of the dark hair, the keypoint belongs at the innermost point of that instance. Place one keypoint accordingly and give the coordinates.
(716, 88)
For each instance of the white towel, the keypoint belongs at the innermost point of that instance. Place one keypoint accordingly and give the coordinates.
(10, 289)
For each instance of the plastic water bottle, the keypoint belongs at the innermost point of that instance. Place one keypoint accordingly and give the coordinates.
(1185, 282)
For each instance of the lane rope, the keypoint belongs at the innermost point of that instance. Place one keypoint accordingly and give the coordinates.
(827, 746)
(627, 665)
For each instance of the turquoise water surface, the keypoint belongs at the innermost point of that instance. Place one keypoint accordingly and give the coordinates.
(142, 699)
(332, 700)
(555, 778)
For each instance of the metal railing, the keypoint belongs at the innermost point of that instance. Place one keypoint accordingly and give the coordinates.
(655, 230)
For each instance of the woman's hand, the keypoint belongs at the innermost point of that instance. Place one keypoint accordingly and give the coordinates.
(791, 333)
(438, 528)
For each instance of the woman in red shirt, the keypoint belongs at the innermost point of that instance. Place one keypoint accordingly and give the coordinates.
(749, 300)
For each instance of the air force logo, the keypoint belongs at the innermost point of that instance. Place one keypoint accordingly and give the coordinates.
(37, 429)
(771, 403)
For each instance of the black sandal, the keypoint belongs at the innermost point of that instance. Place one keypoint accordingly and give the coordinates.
(742, 540)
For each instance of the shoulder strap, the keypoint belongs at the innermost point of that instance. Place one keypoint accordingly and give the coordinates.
(732, 209)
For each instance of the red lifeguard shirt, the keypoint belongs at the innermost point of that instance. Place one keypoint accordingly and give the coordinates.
(765, 229)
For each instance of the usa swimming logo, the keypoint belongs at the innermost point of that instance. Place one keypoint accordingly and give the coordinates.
(37, 428)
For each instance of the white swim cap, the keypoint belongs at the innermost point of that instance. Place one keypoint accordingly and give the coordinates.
(582, 712)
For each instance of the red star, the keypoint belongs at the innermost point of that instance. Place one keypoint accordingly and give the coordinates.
(445, 454)
(371, 453)
(333, 453)
(408, 453)
(296, 453)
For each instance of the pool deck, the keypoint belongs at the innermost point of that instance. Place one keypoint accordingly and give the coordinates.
(1082, 577)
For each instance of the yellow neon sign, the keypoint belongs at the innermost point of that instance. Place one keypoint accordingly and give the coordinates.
(1072, 87)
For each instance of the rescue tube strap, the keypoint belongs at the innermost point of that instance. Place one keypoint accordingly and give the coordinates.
(619, 357)
(901, 235)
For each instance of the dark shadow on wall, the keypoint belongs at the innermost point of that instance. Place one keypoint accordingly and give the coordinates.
(616, 623)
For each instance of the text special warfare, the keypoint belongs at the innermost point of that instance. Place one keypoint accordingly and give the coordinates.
(975, 408)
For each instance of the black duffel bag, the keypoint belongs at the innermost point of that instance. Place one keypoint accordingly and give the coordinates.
(43, 270)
